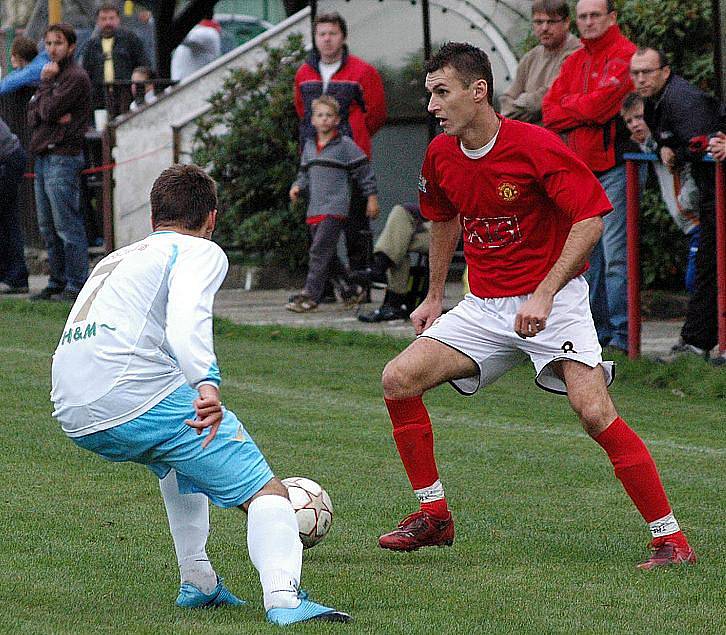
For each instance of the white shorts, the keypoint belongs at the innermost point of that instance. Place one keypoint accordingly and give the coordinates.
(483, 330)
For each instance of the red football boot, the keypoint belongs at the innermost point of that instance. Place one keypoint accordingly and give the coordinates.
(669, 550)
(419, 530)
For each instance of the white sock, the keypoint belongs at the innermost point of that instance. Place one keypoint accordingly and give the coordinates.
(188, 516)
(431, 493)
(275, 549)
(665, 526)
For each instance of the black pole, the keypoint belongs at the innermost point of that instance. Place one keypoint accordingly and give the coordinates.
(432, 125)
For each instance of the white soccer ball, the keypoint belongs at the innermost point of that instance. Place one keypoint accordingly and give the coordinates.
(313, 509)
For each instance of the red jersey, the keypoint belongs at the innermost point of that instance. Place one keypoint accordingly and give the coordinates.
(516, 204)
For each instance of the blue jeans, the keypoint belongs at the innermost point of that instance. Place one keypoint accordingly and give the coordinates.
(61, 223)
(608, 275)
(12, 259)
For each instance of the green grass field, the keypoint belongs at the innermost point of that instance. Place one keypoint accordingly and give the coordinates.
(546, 537)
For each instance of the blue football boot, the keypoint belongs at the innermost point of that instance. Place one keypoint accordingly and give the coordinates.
(306, 611)
(190, 597)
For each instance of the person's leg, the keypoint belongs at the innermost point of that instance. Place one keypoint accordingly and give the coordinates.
(614, 246)
(701, 326)
(63, 188)
(14, 270)
(631, 460)
(47, 228)
(358, 232)
(323, 249)
(595, 277)
(188, 517)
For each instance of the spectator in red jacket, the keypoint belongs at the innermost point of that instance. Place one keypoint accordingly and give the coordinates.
(358, 88)
(583, 107)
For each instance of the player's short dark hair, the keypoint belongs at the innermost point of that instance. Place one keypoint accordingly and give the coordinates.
(662, 57)
(65, 29)
(24, 48)
(469, 62)
(631, 101)
(108, 6)
(183, 195)
(560, 8)
(332, 17)
(610, 6)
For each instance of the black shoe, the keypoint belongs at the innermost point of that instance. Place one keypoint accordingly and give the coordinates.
(384, 313)
(6, 289)
(370, 277)
(65, 296)
(45, 294)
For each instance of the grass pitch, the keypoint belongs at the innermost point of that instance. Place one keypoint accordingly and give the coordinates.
(546, 538)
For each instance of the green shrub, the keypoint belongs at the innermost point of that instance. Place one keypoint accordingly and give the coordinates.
(255, 158)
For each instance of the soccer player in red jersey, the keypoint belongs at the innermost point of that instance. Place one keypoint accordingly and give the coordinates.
(531, 212)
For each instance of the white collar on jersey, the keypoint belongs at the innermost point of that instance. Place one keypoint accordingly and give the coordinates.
(484, 150)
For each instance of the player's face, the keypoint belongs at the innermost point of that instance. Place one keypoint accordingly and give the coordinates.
(648, 75)
(57, 46)
(550, 30)
(451, 102)
(329, 41)
(324, 119)
(107, 22)
(635, 121)
(593, 18)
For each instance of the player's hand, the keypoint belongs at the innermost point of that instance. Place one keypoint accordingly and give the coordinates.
(717, 146)
(425, 314)
(532, 315)
(50, 70)
(294, 193)
(372, 208)
(668, 157)
(65, 119)
(208, 409)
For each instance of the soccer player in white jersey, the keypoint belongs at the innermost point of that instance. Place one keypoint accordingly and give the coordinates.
(135, 378)
(531, 212)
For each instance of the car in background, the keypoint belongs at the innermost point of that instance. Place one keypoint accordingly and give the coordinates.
(238, 29)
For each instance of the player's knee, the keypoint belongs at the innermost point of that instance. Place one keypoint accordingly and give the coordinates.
(594, 415)
(396, 380)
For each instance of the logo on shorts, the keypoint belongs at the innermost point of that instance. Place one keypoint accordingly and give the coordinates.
(568, 347)
(422, 183)
(508, 191)
(240, 436)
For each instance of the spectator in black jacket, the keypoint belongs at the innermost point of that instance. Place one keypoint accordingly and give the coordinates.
(111, 55)
(681, 117)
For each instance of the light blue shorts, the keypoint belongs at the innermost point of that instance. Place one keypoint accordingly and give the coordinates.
(230, 470)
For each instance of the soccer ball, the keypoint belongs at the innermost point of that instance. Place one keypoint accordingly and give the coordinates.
(313, 509)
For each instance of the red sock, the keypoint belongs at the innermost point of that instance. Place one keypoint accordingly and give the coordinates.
(415, 442)
(636, 469)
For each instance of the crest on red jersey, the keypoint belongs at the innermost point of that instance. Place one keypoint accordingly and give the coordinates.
(508, 191)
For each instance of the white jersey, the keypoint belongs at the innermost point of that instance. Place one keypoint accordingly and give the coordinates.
(140, 328)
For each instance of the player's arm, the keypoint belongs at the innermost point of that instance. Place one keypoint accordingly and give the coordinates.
(532, 315)
(444, 238)
(194, 279)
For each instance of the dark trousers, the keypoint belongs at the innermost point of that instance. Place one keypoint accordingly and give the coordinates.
(701, 326)
(358, 232)
(323, 262)
(13, 270)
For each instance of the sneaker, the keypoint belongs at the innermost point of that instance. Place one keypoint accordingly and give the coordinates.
(384, 313)
(190, 597)
(306, 611)
(45, 294)
(6, 289)
(419, 529)
(301, 303)
(667, 552)
(682, 349)
(353, 295)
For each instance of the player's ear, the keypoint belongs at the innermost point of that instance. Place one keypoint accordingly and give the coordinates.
(481, 90)
(211, 222)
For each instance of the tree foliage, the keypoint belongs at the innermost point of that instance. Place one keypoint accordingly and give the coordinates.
(249, 141)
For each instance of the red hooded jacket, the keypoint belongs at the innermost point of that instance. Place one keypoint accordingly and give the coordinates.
(583, 103)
